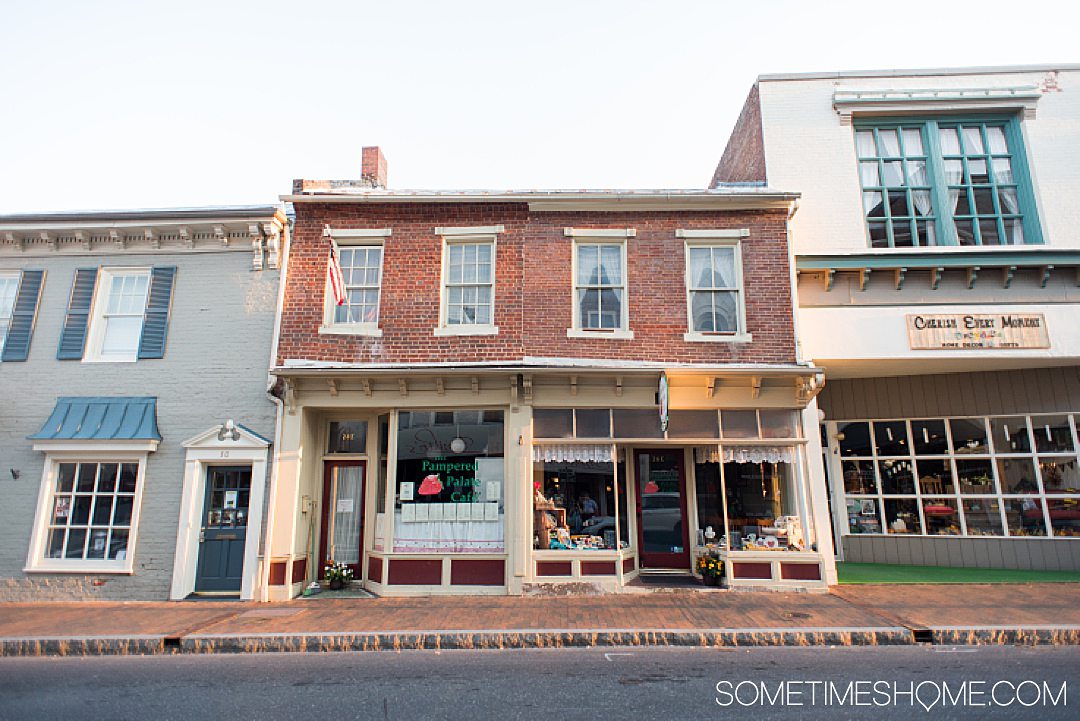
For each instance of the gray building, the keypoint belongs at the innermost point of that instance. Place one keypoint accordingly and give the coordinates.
(134, 420)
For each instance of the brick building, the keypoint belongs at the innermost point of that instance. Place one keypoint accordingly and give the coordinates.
(517, 388)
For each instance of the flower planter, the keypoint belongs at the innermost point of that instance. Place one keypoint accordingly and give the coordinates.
(336, 585)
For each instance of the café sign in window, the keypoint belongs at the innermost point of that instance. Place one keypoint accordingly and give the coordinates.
(347, 437)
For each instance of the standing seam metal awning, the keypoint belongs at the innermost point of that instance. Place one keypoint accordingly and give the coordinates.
(101, 418)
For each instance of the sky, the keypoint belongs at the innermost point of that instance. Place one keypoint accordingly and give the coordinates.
(153, 104)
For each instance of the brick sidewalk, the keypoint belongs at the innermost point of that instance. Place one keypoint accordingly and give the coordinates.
(874, 614)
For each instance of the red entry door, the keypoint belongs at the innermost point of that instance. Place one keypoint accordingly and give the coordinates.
(342, 535)
(661, 508)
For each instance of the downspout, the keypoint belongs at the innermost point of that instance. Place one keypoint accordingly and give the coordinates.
(271, 496)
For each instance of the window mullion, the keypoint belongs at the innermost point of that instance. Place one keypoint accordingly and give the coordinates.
(946, 228)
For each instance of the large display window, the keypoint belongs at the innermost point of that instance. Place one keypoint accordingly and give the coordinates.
(449, 482)
(978, 476)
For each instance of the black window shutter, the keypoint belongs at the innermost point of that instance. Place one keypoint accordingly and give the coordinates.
(73, 336)
(156, 318)
(17, 344)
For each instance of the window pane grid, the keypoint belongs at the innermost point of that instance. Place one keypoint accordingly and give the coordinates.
(897, 193)
(91, 519)
(599, 286)
(983, 485)
(982, 191)
(713, 288)
(361, 268)
(469, 284)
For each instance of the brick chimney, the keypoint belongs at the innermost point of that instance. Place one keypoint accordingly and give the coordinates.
(373, 167)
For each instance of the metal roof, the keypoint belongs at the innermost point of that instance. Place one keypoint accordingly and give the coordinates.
(144, 215)
(101, 418)
(922, 72)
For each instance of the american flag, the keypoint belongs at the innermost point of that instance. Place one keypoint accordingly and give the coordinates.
(333, 269)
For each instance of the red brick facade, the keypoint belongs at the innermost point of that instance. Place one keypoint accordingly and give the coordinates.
(743, 160)
(533, 287)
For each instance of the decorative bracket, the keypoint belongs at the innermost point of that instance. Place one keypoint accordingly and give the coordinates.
(365, 383)
(152, 238)
(221, 235)
(1007, 274)
(710, 386)
(618, 385)
(475, 386)
(972, 276)
(830, 275)
(527, 387)
(118, 239)
(935, 277)
(290, 397)
(49, 239)
(1045, 275)
(403, 387)
(573, 385)
(755, 386)
(332, 384)
(440, 386)
(864, 278)
(186, 237)
(82, 239)
(898, 277)
(808, 387)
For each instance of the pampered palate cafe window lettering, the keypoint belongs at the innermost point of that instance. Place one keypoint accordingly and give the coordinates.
(449, 482)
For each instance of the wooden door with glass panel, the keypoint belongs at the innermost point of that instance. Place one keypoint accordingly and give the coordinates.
(661, 506)
(342, 536)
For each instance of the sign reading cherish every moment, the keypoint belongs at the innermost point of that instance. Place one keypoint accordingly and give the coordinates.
(980, 331)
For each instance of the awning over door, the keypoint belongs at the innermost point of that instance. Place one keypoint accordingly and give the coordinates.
(101, 418)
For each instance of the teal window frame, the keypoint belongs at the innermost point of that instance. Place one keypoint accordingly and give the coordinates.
(942, 218)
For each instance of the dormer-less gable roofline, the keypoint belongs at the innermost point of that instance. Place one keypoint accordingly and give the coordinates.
(920, 72)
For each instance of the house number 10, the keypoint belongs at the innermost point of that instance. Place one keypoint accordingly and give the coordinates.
(224, 454)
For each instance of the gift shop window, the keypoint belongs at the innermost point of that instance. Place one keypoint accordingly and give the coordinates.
(88, 517)
(579, 500)
(945, 182)
(450, 482)
(1001, 476)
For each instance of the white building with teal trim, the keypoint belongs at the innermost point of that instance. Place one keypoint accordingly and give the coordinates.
(136, 427)
(938, 271)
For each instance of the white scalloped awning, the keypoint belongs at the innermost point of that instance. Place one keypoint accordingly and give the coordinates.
(744, 454)
(571, 453)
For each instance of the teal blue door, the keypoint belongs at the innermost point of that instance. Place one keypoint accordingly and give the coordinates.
(224, 530)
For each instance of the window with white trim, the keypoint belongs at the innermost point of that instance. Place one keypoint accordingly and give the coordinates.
(9, 289)
(715, 303)
(87, 515)
(600, 302)
(360, 253)
(468, 280)
(119, 308)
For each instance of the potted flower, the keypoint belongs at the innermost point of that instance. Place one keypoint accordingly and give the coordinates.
(711, 569)
(337, 575)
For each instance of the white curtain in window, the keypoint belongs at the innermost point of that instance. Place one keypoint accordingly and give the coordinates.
(587, 453)
(744, 454)
(347, 517)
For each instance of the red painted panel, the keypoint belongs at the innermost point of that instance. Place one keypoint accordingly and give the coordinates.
(277, 573)
(628, 564)
(374, 569)
(554, 568)
(415, 572)
(752, 570)
(477, 572)
(597, 568)
(299, 570)
(800, 571)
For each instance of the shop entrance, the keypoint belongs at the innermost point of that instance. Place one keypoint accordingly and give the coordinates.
(224, 531)
(661, 509)
(342, 535)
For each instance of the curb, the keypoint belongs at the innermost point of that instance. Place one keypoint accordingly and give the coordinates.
(533, 639)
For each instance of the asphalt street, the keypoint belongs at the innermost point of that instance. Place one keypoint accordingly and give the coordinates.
(605, 684)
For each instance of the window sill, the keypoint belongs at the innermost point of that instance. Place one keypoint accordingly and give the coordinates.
(718, 338)
(600, 334)
(99, 359)
(81, 567)
(454, 330)
(362, 329)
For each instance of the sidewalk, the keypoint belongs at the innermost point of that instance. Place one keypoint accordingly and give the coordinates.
(849, 615)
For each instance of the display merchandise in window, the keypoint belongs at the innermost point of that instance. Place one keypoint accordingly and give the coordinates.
(574, 507)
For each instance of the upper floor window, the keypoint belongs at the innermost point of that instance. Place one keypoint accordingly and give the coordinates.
(468, 297)
(361, 267)
(9, 288)
(714, 285)
(945, 182)
(117, 314)
(353, 297)
(600, 283)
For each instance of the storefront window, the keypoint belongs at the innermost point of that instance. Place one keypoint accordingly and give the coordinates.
(381, 479)
(762, 507)
(739, 424)
(710, 502)
(553, 423)
(1014, 475)
(693, 424)
(574, 505)
(450, 490)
